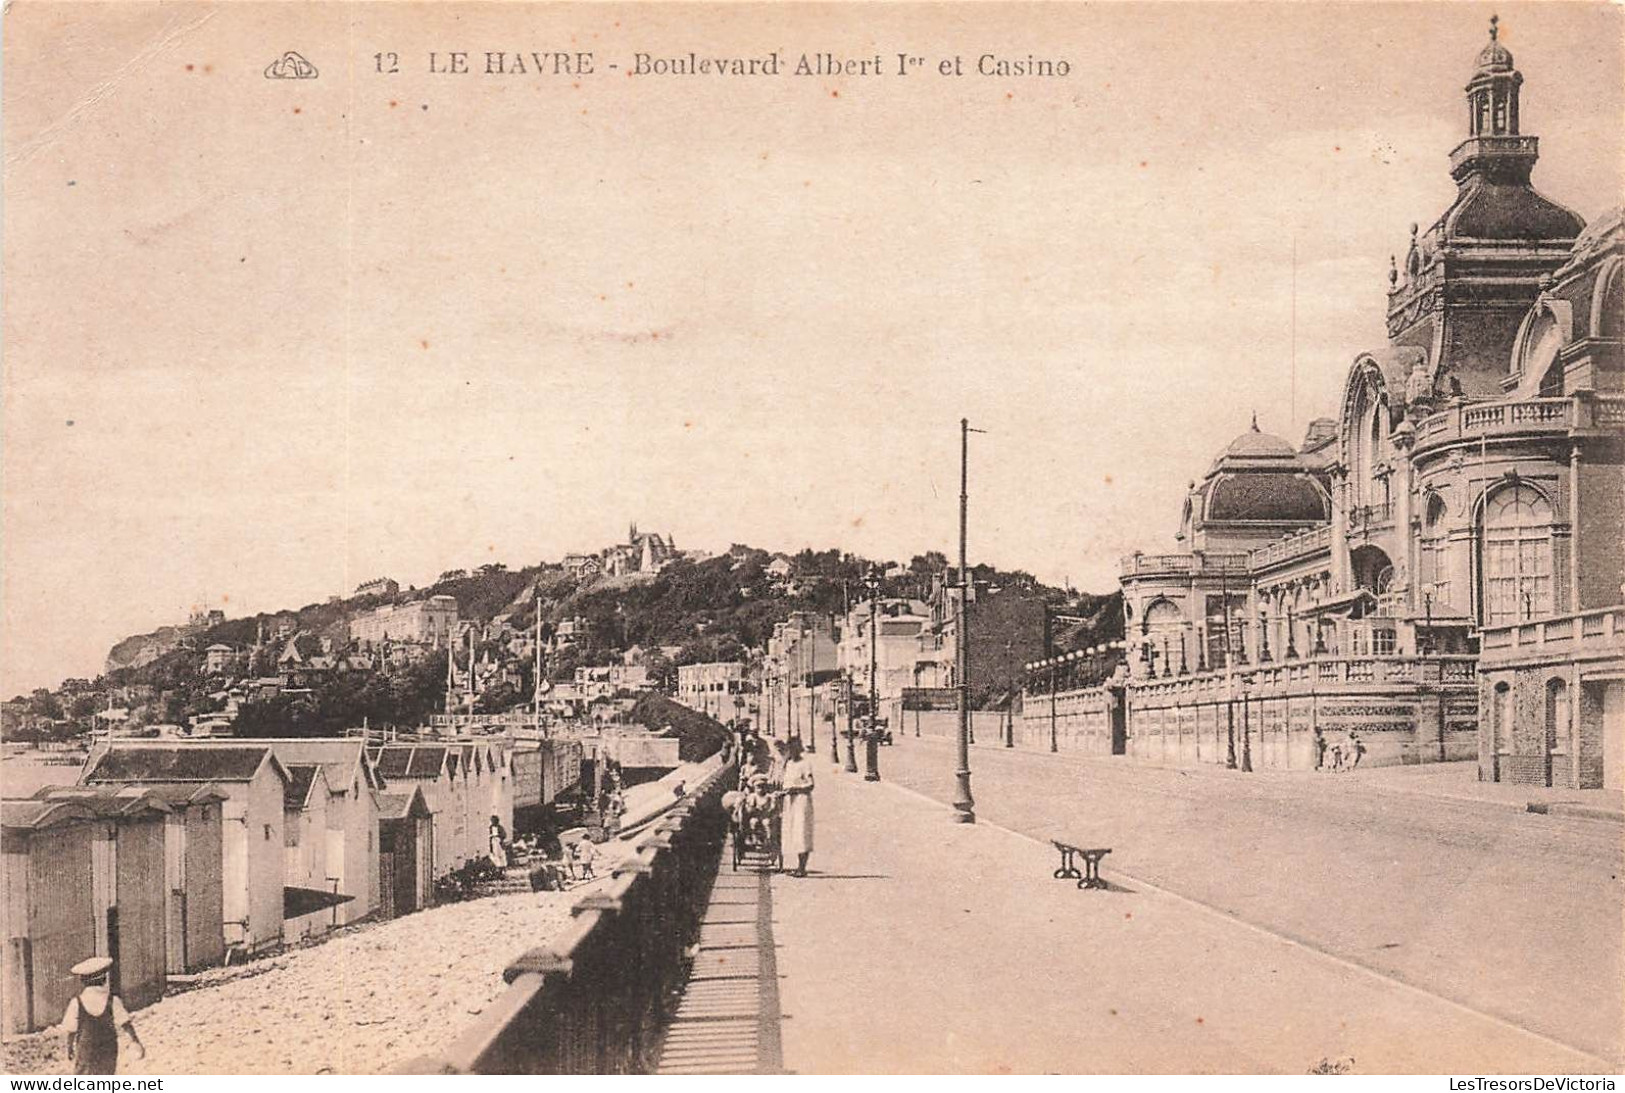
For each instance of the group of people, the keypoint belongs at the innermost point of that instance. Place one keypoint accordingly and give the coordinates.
(575, 860)
(1338, 755)
(776, 781)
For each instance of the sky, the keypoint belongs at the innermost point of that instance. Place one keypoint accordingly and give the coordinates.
(266, 339)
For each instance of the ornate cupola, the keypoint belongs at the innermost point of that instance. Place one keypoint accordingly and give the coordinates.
(1468, 280)
(1493, 146)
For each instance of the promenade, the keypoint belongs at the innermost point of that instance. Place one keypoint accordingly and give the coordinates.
(919, 945)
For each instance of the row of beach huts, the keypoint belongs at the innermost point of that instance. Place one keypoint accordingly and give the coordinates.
(172, 856)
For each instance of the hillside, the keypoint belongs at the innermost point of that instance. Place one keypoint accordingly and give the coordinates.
(721, 608)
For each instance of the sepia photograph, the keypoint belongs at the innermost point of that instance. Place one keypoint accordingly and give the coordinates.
(981, 539)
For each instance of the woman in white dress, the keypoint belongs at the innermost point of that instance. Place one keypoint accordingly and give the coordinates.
(796, 830)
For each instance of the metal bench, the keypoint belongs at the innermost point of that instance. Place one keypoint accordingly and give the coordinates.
(1089, 875)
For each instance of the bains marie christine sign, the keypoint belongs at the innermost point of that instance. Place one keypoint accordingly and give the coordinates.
(1367, 716)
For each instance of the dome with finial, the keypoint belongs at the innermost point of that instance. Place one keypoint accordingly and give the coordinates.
(1494, 57)
(1256, 445)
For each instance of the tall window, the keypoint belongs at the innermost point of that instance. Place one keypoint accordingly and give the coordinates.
(1517, 552)
(1434, 562)
(1501, 712)
(1163, 625)
(1557, 715)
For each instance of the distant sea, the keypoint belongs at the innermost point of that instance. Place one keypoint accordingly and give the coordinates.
(22, 775)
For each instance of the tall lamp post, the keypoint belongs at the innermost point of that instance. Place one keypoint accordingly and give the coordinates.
(1009, 703)
(851, 735)
(871, 743)
(964, 804)
(1052, 717)
(809, 666)
(1428, 591)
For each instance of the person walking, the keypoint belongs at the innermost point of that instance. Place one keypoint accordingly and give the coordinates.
(94, 1019)
(1320, 749)
(1357, 749)
(796, 829)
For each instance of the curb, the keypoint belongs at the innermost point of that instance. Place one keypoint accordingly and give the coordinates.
(1575, 809)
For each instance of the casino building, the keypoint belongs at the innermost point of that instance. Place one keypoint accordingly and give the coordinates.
(1439, 568)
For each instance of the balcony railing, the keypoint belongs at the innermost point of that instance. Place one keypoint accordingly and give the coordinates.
(1371, 516)
(1589, 631)
(1296, 546)
(1537, 415)
(1195, 564)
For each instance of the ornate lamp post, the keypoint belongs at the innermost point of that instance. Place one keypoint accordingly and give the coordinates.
(871, 739)
(1264, 637)
(807, 661)
(1246, 727)
(1428, 591)
(964, 804)
(1053, 664)
(851, 766)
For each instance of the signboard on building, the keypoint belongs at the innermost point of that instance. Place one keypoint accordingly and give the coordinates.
(930, 698)
(1374, 715)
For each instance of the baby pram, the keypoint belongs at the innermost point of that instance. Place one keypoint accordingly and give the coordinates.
(753, 827)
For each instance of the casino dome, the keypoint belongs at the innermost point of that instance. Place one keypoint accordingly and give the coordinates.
(1274, 498)
(1255, 448)
(1261, 478)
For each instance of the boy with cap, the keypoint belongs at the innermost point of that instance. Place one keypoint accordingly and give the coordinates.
(93, 1020)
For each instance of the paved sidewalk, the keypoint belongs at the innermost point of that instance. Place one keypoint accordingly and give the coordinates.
(1453, 781)
(918, 945)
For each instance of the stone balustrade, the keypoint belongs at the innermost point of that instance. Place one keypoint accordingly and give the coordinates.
(1529, 416)
(1588, 633)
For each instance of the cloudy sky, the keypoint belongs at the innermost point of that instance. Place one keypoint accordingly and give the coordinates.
(265, 339)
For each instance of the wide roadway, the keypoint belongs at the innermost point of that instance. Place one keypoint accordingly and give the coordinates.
(1509, 913)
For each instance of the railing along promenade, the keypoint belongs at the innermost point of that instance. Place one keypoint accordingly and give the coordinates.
(1281, 676)
(594, 998)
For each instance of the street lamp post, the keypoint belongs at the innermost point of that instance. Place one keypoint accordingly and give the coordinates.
(1052, 666)
(871, 744)
(1426, 649)
(808, 662)
(1010, 705)
(1246, 729)
(851, 735)
(964, 804)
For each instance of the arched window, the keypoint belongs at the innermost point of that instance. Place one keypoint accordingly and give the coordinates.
(1368, 436)
(1163, 623)
(1434, 562)
(1557, 715)
(1501, 714)
(1516, 543)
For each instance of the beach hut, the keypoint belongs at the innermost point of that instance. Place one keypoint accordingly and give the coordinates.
(310, 893)
(352, 815)
(194, 907)
(406, 852)
(253, 782)
(434, 769)
(82, 877)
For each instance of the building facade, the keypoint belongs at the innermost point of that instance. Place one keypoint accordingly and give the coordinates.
(378, 586)
(712, 688)
(431, 621)
(1467, 499)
